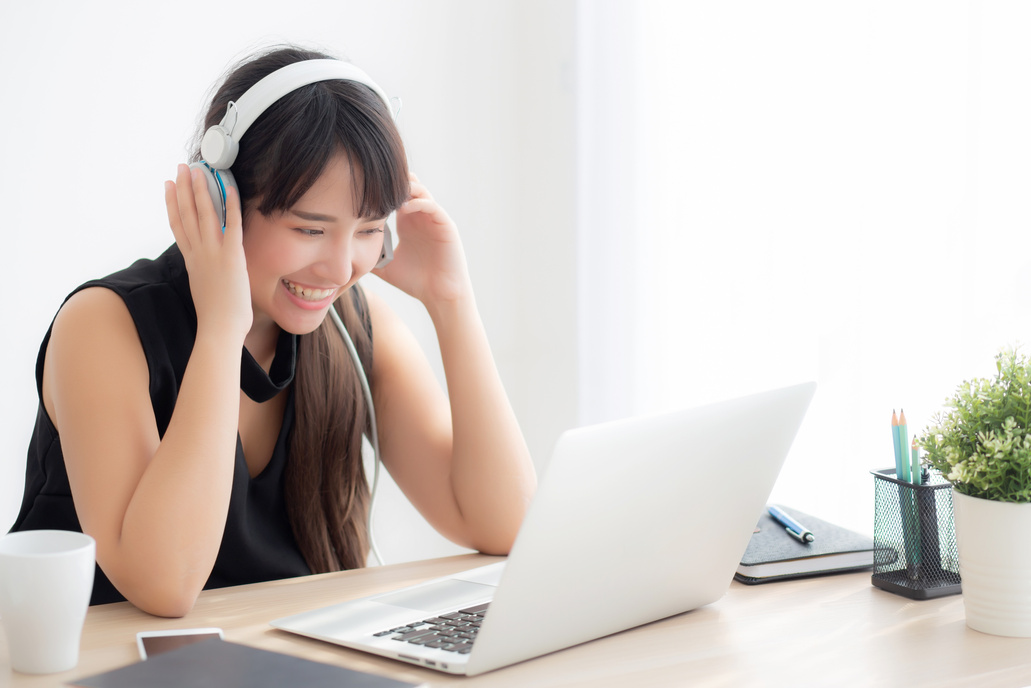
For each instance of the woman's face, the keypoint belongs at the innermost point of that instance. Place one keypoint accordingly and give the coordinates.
(300, 260)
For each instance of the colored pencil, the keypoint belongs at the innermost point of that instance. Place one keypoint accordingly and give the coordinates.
(916, 473)
(898, 447)
(903, 445)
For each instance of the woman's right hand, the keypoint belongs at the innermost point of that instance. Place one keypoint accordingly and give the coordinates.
(215, 260)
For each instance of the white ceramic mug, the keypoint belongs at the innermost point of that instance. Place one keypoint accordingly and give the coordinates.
(46, 580)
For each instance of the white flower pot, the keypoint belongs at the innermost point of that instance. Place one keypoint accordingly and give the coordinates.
(994, 540)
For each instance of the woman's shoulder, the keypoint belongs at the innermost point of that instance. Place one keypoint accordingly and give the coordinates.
(393, 340)
(109, 300)
(370, 304)
(136, 326)
(90, 302)
(167, 271)
(377, 313)
(93, 331)
(96, 313)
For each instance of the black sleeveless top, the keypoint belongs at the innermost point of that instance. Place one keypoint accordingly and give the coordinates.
(258, 543)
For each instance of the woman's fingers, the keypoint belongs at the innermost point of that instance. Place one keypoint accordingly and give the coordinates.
(191, 210)
(418, 190)
(205, 207)
(187, 205)
(174, 220)
(234, 218)
(424, 205)
(216, 261)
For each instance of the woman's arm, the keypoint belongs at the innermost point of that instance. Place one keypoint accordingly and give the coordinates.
(461, 458)
(156, 507)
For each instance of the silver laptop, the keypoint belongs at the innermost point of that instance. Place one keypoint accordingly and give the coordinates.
(633, 521)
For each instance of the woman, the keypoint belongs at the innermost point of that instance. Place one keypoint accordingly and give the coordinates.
(199, 415)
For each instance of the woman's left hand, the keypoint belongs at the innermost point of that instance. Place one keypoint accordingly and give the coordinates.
(429, 262)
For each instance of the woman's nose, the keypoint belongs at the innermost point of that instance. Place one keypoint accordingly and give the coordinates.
(338, 264)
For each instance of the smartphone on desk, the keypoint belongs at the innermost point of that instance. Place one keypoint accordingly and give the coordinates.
(152, 643)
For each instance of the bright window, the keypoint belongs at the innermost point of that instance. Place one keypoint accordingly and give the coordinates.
(835, 191)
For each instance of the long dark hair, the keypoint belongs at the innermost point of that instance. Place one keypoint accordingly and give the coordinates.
(282, 155)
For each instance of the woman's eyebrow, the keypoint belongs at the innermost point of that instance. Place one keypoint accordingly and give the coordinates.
(312, 217)
(319, 217)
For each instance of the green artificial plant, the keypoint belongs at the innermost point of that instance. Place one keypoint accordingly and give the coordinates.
(982, 442)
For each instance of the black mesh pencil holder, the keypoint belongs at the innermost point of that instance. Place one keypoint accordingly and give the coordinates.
(914, 540)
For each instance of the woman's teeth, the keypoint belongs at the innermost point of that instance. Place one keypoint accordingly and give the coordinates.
(306, 293)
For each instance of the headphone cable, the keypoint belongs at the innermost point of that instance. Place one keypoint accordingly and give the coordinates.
(374, 439)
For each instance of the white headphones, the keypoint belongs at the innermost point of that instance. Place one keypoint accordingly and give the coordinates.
(221, 142)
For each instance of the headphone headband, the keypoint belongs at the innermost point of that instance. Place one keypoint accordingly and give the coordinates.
(221, 142)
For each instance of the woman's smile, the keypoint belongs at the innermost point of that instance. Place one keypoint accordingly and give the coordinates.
(309, 297)
(308, 293)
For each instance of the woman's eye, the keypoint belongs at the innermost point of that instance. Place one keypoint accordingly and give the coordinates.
(309, 232)
(373, 230)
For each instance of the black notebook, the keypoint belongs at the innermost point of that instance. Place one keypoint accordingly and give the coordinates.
(773, 554)
(219, 663)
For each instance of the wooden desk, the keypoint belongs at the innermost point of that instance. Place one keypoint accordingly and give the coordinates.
(836, 630)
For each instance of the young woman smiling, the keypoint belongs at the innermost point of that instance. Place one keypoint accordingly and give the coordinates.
(199, 414)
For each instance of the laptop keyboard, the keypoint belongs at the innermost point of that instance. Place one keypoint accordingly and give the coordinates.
(454, 632)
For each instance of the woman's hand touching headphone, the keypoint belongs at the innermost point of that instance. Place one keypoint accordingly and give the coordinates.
(215, 260)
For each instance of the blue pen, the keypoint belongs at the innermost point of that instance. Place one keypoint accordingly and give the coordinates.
(794, 528)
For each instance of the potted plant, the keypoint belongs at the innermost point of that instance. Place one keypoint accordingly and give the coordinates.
(981, 444)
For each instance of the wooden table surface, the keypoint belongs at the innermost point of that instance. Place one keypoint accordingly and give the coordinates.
(828, 631)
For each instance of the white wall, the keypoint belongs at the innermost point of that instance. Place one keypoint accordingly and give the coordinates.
(834, 191)
(100, 99)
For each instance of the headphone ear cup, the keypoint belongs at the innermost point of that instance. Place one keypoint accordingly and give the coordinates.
(218, 182)
(219, 148)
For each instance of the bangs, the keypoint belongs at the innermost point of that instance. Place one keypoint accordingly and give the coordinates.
(291, 143)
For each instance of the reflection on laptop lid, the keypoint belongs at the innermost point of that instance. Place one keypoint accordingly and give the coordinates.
(634, 521)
